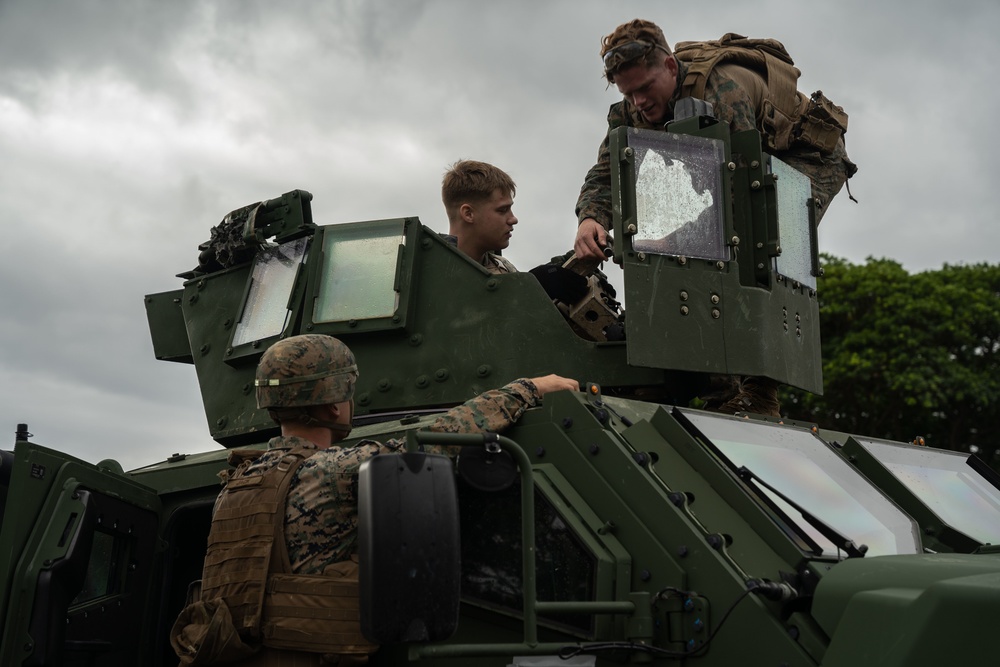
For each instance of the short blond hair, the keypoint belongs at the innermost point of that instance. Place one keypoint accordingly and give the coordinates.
(470, 181)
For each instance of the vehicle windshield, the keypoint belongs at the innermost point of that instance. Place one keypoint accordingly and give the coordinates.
(946, 483)
(805, 469)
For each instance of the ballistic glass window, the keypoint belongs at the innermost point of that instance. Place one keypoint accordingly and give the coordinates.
(793, 192)
(947, 484)
(359, 271)
(678, 195)
(491, 555)
(104, 572)
(801, 466)
(265, 312)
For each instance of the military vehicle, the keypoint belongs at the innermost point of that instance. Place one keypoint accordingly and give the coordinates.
(612, 525)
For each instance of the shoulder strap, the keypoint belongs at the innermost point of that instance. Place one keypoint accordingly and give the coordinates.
(246, 536)
(288, 466)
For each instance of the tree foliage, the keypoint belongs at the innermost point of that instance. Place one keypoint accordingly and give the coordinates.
(908, 355)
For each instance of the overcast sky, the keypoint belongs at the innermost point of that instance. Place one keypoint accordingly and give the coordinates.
(128, 129)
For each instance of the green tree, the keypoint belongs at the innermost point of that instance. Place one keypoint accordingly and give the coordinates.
(907, 355)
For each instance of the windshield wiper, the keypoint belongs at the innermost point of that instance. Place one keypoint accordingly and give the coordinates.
(826, 530)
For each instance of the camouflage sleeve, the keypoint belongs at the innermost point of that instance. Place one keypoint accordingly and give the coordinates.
(493, 411)
(595, 195)
(734, 101)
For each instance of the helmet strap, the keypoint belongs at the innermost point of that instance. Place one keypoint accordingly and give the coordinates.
(306, 419)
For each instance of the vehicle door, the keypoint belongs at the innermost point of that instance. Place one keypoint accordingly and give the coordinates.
(78, 545)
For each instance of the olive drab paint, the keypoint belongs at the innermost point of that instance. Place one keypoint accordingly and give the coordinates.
(636, 528)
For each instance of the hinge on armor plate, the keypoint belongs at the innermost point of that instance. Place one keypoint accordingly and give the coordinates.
(687, 622)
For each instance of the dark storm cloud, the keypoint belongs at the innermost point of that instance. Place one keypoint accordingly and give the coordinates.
(128, 129)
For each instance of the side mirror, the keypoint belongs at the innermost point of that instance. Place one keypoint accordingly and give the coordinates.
(409, 549)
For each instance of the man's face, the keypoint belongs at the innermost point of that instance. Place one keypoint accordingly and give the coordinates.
(493, 221)
(649, 89)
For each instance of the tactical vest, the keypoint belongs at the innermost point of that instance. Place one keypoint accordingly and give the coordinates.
(247, 572)
(788, 118)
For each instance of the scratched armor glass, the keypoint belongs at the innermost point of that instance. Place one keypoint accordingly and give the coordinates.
(678, 195)
(803, 467)
(947, 484)
(265, 312)
(359, 271)
(794, 190)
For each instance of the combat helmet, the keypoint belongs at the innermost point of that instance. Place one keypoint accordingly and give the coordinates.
(301, 371)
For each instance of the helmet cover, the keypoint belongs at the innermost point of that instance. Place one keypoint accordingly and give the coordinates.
(311, 369)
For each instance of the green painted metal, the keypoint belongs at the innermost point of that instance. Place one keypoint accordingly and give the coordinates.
(935, 609)
(669, 539)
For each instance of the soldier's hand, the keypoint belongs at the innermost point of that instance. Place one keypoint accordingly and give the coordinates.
(551, 383)
(591, 238)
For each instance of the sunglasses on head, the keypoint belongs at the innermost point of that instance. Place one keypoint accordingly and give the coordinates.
(623, 53)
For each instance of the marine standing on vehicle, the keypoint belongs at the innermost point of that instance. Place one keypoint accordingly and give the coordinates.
(751, 84)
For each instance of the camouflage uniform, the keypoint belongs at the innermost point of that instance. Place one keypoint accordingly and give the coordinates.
(321, 514)
(491, 261)
(736, 95)
(280, 581)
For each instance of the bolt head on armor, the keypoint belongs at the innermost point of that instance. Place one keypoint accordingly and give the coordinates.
(301, 371)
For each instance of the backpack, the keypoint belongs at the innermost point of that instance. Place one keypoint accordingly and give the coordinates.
(789, 119)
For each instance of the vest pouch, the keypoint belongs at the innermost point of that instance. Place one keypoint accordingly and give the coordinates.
(777, 128)
(821, 124)
(204, 634)
(319, 614)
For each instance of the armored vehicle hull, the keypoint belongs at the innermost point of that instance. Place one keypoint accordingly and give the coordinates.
(612, 525)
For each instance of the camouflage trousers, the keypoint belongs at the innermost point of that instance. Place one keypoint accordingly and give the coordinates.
(828, 172)
(730, 394)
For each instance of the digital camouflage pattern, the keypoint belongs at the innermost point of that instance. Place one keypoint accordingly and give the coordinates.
(321, 514)
(491, 261)
(737, 95)
(305, 370)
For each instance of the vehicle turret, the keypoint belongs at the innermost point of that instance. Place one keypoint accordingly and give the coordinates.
(615, 524)
(713, 285)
